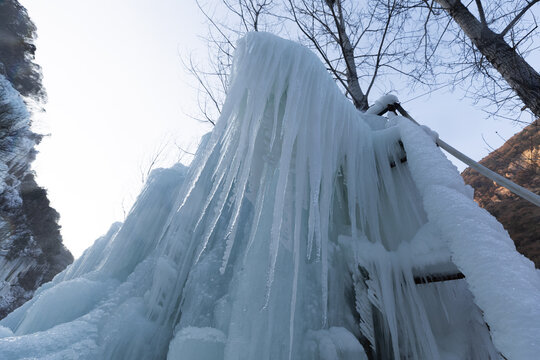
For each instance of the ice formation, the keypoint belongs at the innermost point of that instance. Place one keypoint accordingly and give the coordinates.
(296, 233)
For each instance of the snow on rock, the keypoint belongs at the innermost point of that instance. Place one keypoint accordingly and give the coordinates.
(297, 233)
(16, 141)
(31, 252)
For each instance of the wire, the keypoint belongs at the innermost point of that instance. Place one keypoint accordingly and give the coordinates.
(426, 93)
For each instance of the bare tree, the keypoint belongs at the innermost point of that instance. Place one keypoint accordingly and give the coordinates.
(155, 159)
(482, 45)
(360, 45)
(366, 46)
(419, 38)
(325, 25)
(237, 18)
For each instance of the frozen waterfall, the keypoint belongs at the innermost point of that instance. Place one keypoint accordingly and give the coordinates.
(296, 233)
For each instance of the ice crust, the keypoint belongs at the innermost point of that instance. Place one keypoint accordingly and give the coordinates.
(291, 236)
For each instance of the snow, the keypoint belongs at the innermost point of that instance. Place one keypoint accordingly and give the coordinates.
(77, 297)
(335, 343)
(505, 284)
(296, 233)
(16, 142)
(382, 103)
(16, 139)
(197, 343)
(5, 332)
(433, 134)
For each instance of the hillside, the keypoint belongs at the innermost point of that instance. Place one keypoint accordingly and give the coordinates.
(519, 160)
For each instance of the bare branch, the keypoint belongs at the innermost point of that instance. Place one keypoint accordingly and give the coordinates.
(214, 25)
(379, 52)
(203, 83)
(481, 12)
(318, 47)
(155, 158)
(518, 16)
(359, 98)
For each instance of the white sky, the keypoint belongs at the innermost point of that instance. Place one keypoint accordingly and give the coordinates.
(117, 90)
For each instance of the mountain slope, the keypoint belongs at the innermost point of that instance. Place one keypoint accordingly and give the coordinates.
(519, 160)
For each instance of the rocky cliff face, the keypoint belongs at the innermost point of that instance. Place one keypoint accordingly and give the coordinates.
(519, 160)
(31, 250)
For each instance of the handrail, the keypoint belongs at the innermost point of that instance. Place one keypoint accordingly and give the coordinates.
(391, 103)
(501, 180)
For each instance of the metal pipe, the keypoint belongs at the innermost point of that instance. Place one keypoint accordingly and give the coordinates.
(501, 180)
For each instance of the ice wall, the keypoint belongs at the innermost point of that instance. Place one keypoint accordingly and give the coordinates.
(297, 234)
(98, 301)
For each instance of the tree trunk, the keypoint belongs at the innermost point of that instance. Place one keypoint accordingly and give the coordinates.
(359, 99)
(521, 77)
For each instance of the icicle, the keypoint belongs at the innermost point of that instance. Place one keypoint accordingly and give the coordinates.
(292, 193)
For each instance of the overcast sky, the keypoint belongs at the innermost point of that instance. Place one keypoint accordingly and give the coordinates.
(117, 90)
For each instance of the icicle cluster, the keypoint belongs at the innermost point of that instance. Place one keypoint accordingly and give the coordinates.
(297, 234)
